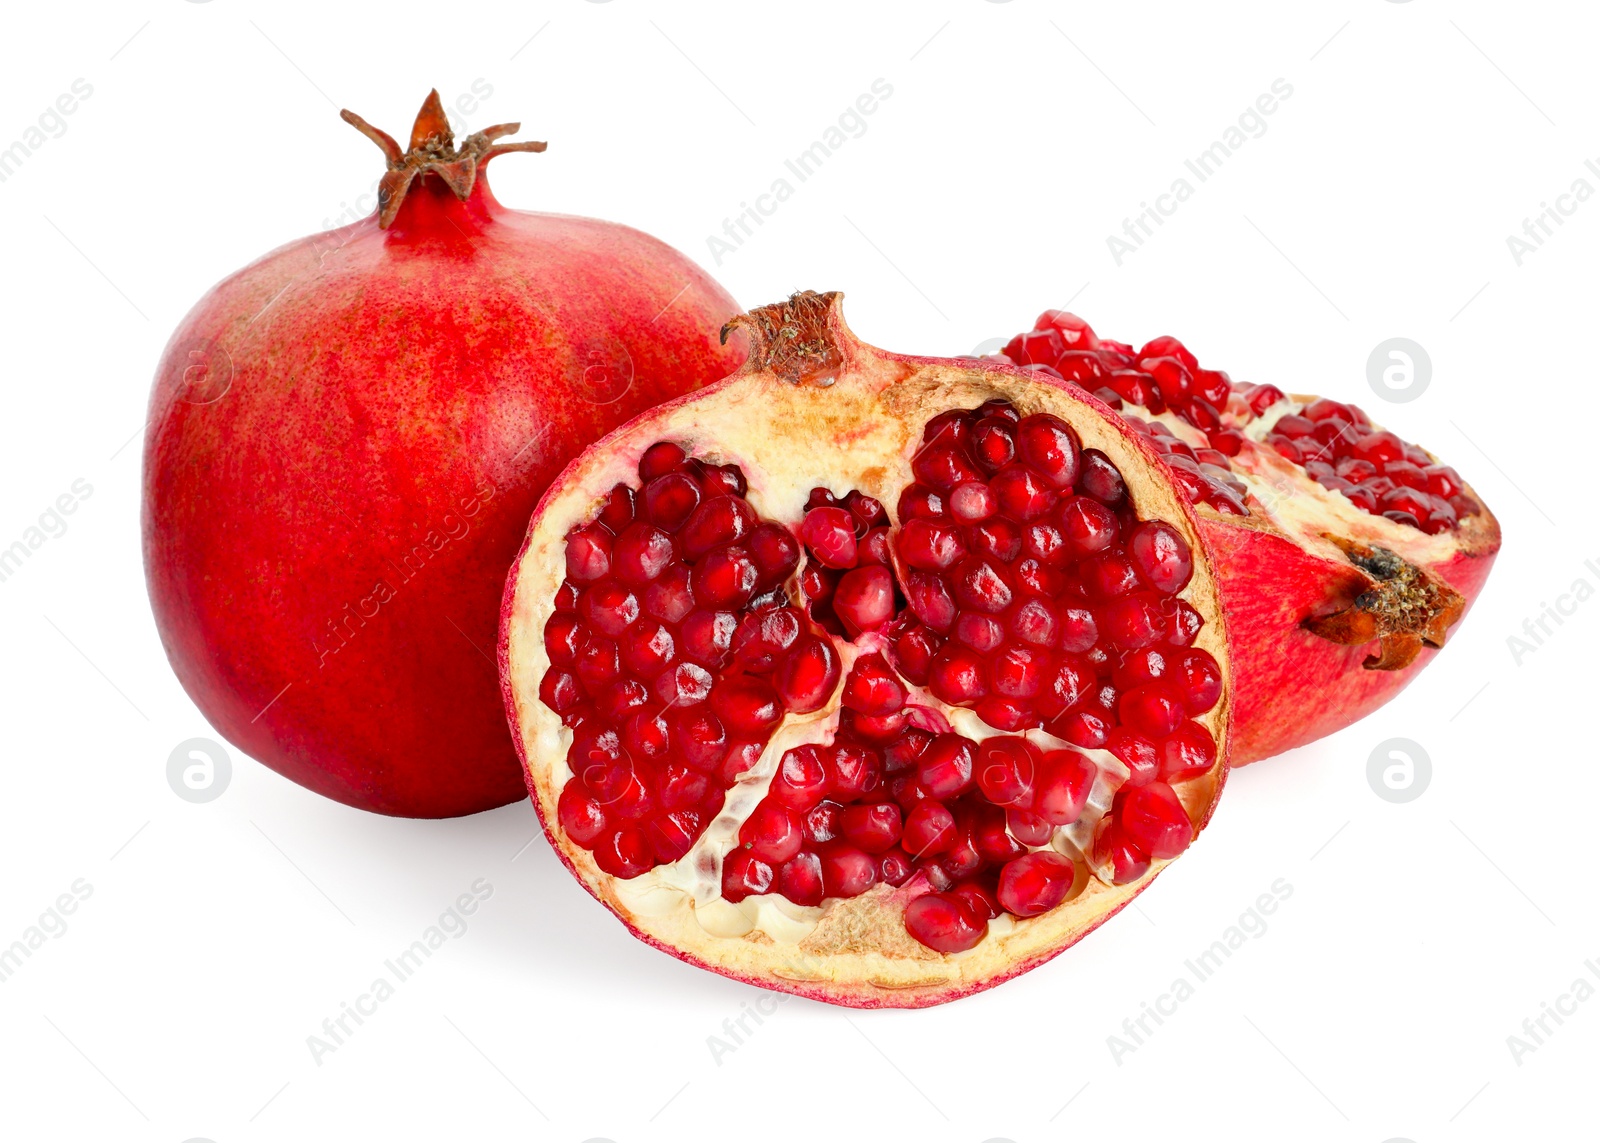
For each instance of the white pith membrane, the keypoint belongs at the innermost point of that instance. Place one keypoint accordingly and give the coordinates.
(858, 429)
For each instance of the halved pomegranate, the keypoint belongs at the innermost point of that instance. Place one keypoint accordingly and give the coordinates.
(1342, 551)
(872, 678)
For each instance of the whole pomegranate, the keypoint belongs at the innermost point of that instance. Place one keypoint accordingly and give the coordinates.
(1345, 554)
(345, 441)
(872, 678)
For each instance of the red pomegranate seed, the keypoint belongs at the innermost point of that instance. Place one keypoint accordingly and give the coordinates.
(1087, 525)
(920, 503)
(763, 637)
(775, 551)
(1028, 827)
(962, 859)
(672, 834)
(610, 607)
(1049, 447)
(854, 771)
(872, 687)
(772, 832)
(831, 536)
(942, 467)
(957, 675)
(1075, 332)
(1021, 493)
(1379, 448)
(580, 815)
(1006, 768)
(559, 691)
(948, 428)
(846, 870)
(1161, 556)
(800, 879)
(972, 502)
(930, 545)
(946, 766)
(625, 854)
(945, 923)
(983, 633)
(994, 442)
(1128, 861)
(1199, 679)
(1100, 479)
(929, 828)
(1189, 752)
(718, 521)
(1263, 397)
(864, 599)
(741, 756)
(1084, 728)
(669, 499)
(1035, 883)
(822, 822)
(747, 706)
(1154, 709)
(895, 868)
(978, 585)
(743, 873)
(806, 679)
(1135, 751)
(647, 649)
(618, 509)
(1152, 817)
(707, 637)
(1018, 672)
(1068, 680)
(930, 600)
(682, 786)
(801, 780)
(873, 828)
(1061, 790)
(683, 684)
(1131, 621)
(1006, 714)
(589, 553)
(598, 665)
(724, 579)
(661, 458)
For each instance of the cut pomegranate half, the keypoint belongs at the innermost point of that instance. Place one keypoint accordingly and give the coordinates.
(839, 676)
(1343, 552)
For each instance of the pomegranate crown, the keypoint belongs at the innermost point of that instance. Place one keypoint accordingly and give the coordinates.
(797, 339)
(433, 151)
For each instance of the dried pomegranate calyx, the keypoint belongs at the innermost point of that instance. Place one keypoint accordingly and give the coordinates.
(433, 152)
(1405, 608)
(792, 339)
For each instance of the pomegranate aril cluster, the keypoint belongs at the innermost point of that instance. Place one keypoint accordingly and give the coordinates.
(1024, 607)
(1335, 443)
(675, 653)
(1374, 469)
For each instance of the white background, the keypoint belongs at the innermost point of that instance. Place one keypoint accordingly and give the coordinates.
(1418, 937)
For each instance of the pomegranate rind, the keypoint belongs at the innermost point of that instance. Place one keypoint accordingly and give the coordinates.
(854, 421)
(344, 441)
(1281, 568)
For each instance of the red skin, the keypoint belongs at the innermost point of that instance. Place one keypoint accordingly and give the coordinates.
(1291, 687)
(410, 390)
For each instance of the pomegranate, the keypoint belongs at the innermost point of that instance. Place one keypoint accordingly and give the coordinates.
(873, 678)
(1343, 552)
(344, 444)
